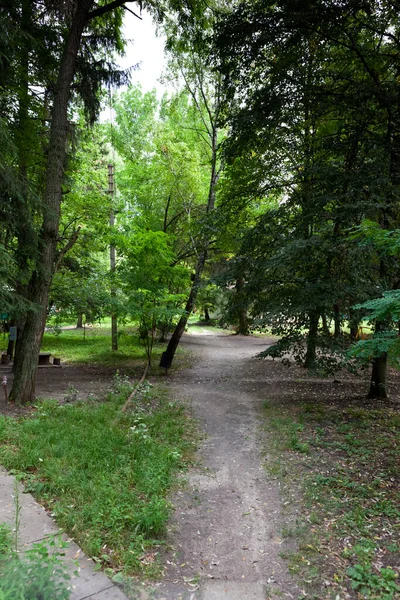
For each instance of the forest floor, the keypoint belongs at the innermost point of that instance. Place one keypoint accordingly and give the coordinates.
(233, 533)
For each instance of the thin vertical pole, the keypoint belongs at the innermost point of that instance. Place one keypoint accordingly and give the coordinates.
(114, 323)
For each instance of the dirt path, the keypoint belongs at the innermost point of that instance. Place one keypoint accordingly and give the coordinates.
(225, 532)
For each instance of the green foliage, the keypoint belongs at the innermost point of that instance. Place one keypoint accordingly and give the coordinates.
(309, 123)
(92, 347)
(39, 573)
(105, 475)
(369, 584)
(385, 309)
(153, 284)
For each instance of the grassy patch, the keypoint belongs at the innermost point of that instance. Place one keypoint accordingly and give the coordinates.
(103, 474)
(94, 347)
(346, 461)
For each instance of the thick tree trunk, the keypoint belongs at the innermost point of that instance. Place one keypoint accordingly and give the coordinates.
(354, 322)
(29, 345)
(378, 378)
(325, 326)
(311, 354)
(79, 323)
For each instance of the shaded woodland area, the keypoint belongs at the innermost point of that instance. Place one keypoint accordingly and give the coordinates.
(264, 191)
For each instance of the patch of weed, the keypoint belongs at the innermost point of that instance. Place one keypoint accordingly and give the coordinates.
(104, 474)
(348, 483)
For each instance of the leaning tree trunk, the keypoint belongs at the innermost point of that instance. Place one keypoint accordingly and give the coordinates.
(173, 343)
(168, 355)
(29, 345)
(311, 354)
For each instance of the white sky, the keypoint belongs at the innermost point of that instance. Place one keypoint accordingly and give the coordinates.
(145, 48)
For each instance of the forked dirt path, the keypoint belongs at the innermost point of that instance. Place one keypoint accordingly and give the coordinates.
(226, 530)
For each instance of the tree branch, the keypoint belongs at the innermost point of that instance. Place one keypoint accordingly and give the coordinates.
(102, 10)
(67, 247)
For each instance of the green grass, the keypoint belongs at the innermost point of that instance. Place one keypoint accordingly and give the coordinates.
(104, 475)
(346, 461)
(94, 347)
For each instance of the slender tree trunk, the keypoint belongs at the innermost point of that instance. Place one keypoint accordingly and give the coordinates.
(336, 320)
(173, 343)
(243, 325)
(311, 353)
(29, 345)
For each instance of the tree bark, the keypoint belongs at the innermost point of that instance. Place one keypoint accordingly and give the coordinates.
(173, 343)
(336, 320)
(325, 326)
(79, 323)
(378, 378)
(243, 325)
(311, 354)
(25, 367)
(353, 325)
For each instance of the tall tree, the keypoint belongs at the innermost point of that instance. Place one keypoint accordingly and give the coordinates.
(308, 99)
(76, 69)
(189, 48)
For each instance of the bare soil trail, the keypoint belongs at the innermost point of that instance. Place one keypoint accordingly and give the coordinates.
(226, 528)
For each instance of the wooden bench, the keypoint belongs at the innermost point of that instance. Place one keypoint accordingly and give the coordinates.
(44, 359)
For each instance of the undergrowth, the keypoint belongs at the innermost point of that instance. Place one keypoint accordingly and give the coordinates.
(38, 574)
(345, 461)
(103, 474)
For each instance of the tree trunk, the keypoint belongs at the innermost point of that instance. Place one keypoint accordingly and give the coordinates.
(378, 378)
(311, 354)
(173, 343)
(29, 345)
(207, 317)
(353, 325)
(243, 325)
(336, 319)
(79, 323)
(168, 355)
(325, 326)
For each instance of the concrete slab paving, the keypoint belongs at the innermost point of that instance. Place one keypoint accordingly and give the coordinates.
(36, 525)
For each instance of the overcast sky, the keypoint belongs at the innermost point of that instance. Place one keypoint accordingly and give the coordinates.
(144, 49)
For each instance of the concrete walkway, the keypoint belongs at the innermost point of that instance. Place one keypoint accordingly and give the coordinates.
(36, 525)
